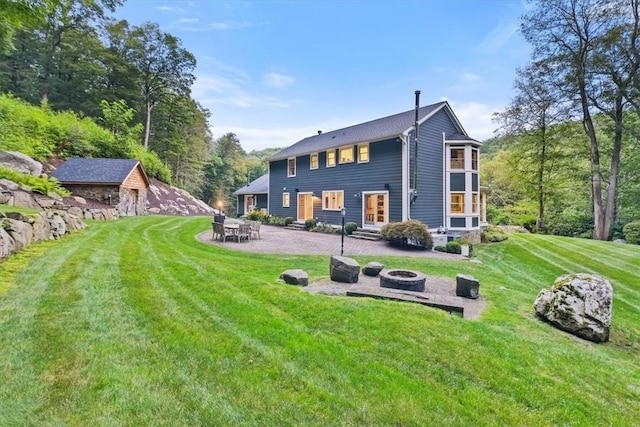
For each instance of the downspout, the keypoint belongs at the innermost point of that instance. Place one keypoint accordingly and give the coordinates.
(445, 191)
(404, 140)
(414, 195)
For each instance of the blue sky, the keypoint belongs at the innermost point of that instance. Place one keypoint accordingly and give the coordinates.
(274, 72)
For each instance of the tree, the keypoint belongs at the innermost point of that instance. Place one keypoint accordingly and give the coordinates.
(531, 117)
(226, 170)
(164, 68)
(581, 40)
(16, 14)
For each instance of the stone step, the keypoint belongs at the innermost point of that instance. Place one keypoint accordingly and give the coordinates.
(366, 234)
(361, 237)
(295, 226)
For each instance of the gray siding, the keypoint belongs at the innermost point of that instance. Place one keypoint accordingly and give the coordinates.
(428, 207)
(384, 167)
(260, 201)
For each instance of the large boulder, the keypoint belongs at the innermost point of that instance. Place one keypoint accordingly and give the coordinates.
(24, 199)
(7, 245)
(20, 162)
(343, 269)
(580, 304)
(467, 286)
(20, 232)
(58, 226)
(41, 228)
(295, 277)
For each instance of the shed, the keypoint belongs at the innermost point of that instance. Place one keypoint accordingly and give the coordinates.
(121, 183)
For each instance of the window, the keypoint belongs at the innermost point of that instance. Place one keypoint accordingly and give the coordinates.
(474, 160)
(346, 155)
(332, 200)
(285, 199)
(474, 203)
(291, 167)
(331, 158)
(313, 161)
(457, 203)
(457, 158)
(363, 153)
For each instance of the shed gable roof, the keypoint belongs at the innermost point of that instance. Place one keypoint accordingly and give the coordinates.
(257, 186)
(96, 171)
(374, 130)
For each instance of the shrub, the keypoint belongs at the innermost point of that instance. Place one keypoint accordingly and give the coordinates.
(258, 215)
(632, 232)
(440, 248)
(493, 236)
(350, 227)
(38, 184)
(310, 223)
(454, 247)
(408, 233)
(288, 221)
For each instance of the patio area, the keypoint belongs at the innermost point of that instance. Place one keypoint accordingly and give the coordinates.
(280, 240)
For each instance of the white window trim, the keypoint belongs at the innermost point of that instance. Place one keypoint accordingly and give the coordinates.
(317, 161)
(324, 208)
(288, 204)
(368, 153)
(349, 147)
(477, 168)
(335, 160)
(295, 167)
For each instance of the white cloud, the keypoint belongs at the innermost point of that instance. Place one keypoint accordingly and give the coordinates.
(476, 118)
(277, 80)
(187, 20)
(229, 25)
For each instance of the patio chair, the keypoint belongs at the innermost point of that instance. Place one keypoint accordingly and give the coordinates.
(244, 232)
(228, 233)
(255, 228)
(215, 234)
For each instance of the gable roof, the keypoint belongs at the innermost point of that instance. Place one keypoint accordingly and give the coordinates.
(257, 186)
(78, 170)
(374, 130)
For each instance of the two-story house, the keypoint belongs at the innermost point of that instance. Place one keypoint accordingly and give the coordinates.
(384, 171)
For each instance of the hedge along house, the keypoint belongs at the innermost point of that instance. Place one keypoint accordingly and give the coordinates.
(419, 164)
(121, 183)
(254, 195)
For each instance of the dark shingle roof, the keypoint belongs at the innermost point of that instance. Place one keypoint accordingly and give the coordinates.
(94, 171)
(375, 130)
(257, 186)
(461, 137)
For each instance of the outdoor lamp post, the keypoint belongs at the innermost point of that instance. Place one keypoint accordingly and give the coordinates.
(343, 211)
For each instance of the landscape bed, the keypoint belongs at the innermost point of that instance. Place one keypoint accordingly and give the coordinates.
(136, 322)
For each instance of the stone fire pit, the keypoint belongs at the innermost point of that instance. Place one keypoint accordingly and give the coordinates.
(407, 280)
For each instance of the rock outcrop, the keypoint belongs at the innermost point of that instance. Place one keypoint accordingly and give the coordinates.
(20, 162)
(580, 304)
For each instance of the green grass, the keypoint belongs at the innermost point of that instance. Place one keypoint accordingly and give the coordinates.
(26, 211)
(135, 322)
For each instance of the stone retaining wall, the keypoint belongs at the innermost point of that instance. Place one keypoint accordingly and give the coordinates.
(17, 230)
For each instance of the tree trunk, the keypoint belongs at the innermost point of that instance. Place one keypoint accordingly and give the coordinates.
(147, 123)
(541, 168)
(613, 171)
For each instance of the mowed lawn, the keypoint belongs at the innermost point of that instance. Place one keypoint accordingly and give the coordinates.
(135, 322)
